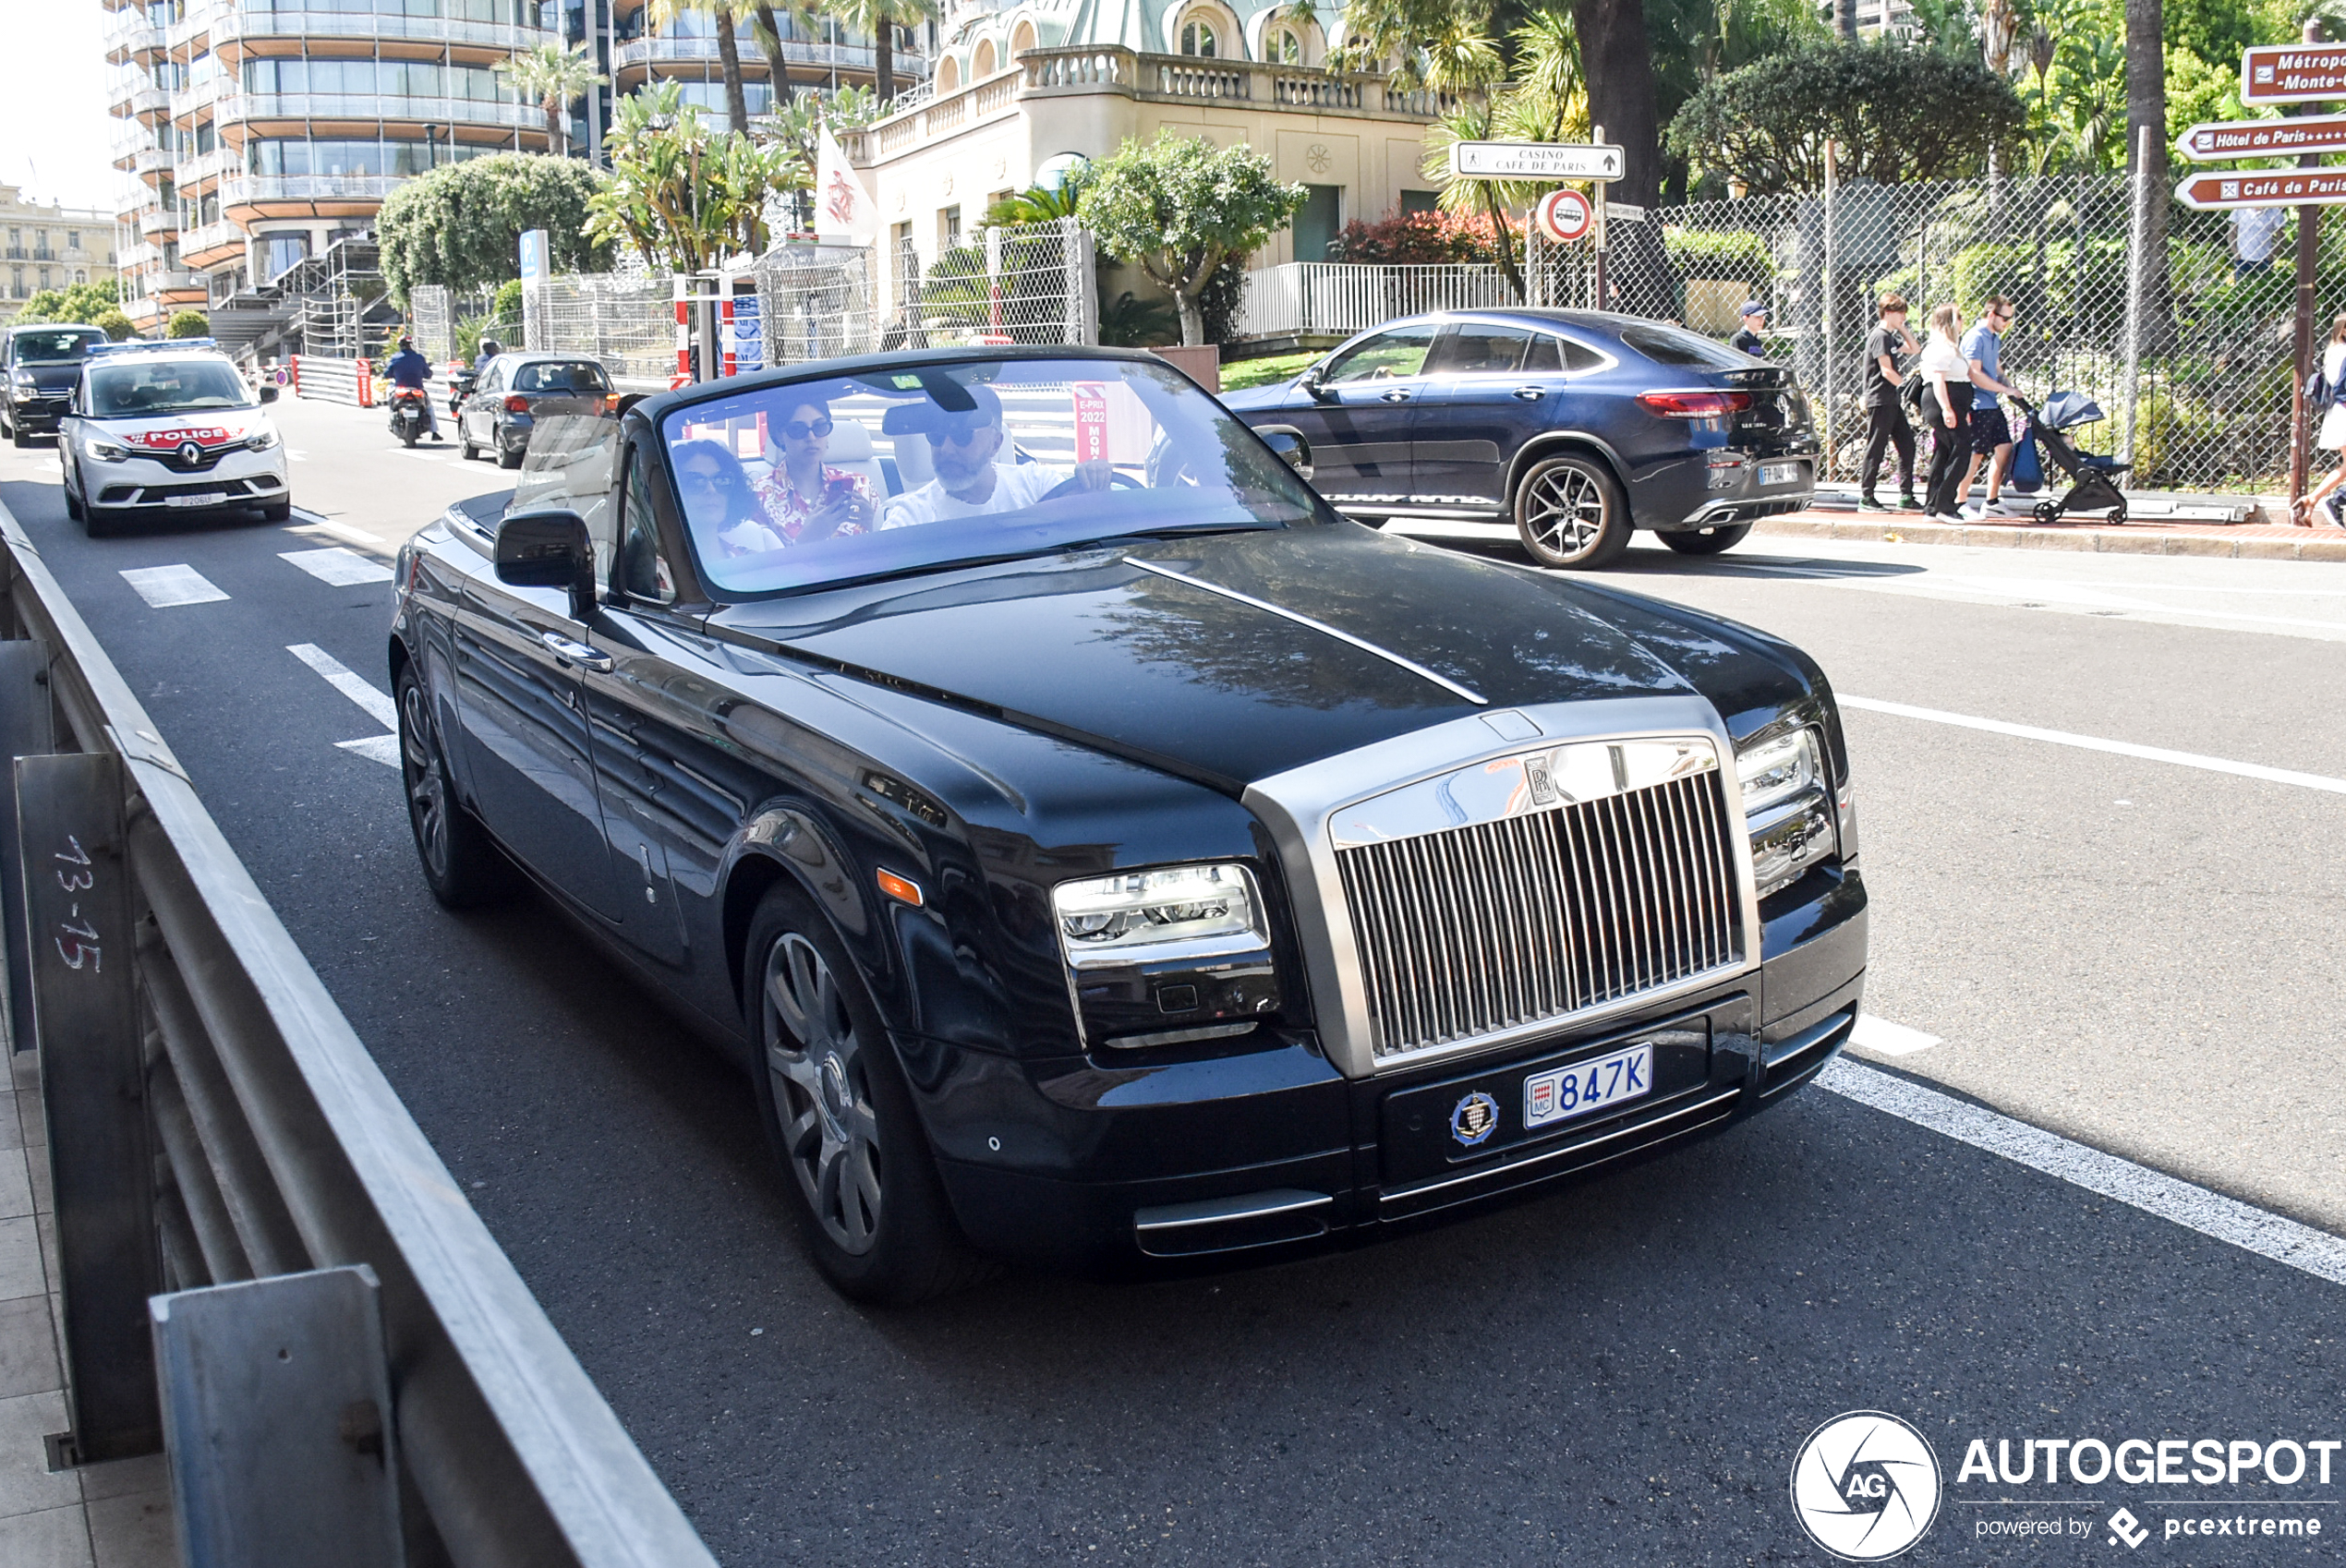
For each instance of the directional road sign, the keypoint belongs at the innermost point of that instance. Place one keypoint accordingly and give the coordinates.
(1535, 160)
(2277, 188)
(2293, 73)
(2262, 139)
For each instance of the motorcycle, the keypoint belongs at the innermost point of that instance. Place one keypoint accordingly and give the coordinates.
(410, 416)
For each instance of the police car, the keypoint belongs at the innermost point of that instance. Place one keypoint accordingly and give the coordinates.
(161, 430)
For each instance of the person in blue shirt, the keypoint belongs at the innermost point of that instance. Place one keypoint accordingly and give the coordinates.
(409, 368)
(1991, 432)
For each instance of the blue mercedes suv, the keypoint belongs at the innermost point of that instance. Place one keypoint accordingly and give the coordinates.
(1577, 426)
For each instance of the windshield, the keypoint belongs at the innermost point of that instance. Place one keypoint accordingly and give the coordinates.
(172, 386)
(55, 348)
(575, 375)
(795, 486)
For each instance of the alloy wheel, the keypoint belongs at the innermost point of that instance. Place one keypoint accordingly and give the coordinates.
(1565, 510)
(822, 1093)
(427, 784)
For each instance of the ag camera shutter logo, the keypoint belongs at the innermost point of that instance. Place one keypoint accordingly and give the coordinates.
(1866, 1486)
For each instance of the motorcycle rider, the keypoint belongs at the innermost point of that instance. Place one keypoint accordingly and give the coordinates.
(409, 368)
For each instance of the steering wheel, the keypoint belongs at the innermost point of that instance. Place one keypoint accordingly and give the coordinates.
(1073, 484)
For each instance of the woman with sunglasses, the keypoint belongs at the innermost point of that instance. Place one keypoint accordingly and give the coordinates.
(807, 498)
(719, 503)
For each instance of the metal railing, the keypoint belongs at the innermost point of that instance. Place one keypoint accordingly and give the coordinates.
(324, 378)
(1340, 299)
(392, 107)
(217, 1119)
(292, 22)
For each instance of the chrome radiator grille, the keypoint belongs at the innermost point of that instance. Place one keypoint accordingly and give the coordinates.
(1486, 927)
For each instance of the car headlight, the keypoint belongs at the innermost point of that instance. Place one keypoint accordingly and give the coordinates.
(103, 451)
(1140, 914)
(1169, 956)
(262, 442)
(1787, 807)
(22, 379)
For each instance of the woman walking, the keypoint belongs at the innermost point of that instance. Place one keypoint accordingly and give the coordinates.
(1947, 375)
(2332, 438)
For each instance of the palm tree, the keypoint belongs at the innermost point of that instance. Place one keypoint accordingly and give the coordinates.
(881, 18)
(556, 78)
(725, 14)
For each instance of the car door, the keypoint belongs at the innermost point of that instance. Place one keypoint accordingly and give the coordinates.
(1489, 387)
(520, 658)
(478, 423)
(654, 800)
(1358, 418)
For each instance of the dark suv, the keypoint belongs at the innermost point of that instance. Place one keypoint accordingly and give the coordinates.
(1575, 426)
(41, 365)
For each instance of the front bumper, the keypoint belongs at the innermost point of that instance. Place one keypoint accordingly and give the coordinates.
(36, 416)
(239, 480)
(1247, 1157)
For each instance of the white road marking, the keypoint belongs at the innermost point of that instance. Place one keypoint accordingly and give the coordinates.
(337, 566)
(1887, 1039)
(2096, 744)
(2193, 1207)
(311, 521)
(383, 749)
(165, 588)
(346, 681)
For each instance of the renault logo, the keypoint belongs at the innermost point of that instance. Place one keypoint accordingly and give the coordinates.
(190, 454)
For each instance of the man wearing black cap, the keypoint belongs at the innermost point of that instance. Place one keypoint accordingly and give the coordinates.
(1755, 321)
(969, 482)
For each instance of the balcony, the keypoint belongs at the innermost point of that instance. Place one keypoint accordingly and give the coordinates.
(643, 54)
(239, 25)
(248, 193)
(219, 161)
(213, 244)
(144, 162)
(137, 99)
(250, 107)
(166, 283)
(154, 222)
(129, 36)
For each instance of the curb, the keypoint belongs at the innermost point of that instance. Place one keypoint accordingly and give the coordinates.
(2103, 541)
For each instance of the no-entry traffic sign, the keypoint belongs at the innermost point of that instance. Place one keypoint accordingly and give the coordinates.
(2293, 73)
(2214, 143)
(2278, 187)
(1565, 215)
(1535, 161)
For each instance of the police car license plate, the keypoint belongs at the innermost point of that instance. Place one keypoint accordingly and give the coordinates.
(1779, 473)
(209, 497)
(1562, 1093)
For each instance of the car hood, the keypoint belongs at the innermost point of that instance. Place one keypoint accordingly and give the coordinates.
(1252, 398)
(57, 378)
(1097, 647)
(209, 428)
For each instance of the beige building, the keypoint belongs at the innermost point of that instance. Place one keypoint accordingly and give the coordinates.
(51, 247)
(1022, 89)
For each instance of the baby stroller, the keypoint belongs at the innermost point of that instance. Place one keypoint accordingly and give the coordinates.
(2094, 479)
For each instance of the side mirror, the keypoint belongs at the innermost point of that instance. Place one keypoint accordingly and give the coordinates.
(1312, 385)
(1292, 448)
(548, 550)
(268, 392)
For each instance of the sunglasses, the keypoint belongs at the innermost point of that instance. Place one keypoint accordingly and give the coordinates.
(799, 429)
(707, 479)
(958, 433)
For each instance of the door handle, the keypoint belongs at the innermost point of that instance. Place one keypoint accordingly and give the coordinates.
(567, 653)
(1396, 396)
(1530, 394)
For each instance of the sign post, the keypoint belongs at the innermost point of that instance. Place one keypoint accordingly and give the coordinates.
(1596, 161)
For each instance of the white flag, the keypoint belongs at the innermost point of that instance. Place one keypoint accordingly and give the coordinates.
(843, 209)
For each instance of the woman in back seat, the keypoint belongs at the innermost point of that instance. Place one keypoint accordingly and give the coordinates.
(807, 498)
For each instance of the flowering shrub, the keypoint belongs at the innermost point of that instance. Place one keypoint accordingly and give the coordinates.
(1418, 239)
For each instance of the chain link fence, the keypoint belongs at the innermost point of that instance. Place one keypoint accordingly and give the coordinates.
(432, 310)
(626, 323)
(1020, 283)
(2210, 405)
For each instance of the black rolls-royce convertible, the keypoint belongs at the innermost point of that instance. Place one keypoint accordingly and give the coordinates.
(1097, 849)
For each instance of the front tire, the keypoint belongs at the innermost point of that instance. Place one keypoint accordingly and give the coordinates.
(1708, 541)
(841, 1117)
(461, 866)
(1571, 514)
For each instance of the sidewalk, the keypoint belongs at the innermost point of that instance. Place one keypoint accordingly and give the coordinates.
(114, 1515)
(2256, 539)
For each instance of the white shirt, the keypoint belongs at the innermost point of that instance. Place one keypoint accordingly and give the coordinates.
(1017, 486)
(1942, 356)
(2333, 362)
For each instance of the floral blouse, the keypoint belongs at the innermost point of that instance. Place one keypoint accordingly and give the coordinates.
(789, 510)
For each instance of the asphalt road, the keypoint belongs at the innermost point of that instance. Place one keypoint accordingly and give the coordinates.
(2135, 952)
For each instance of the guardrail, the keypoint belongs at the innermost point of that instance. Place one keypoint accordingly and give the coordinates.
(215, 1120)
(328, 380)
